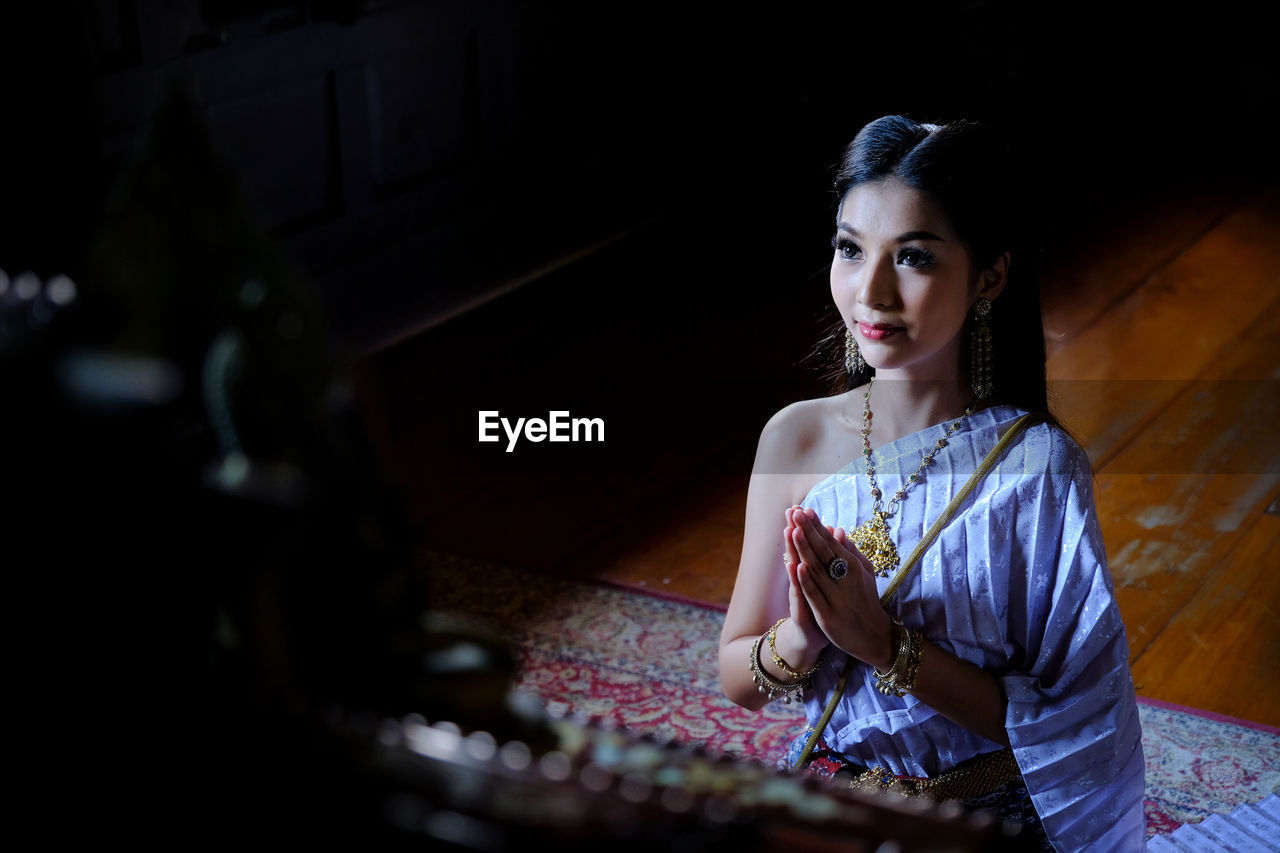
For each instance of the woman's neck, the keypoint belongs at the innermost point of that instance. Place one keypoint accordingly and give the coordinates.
(904, 406)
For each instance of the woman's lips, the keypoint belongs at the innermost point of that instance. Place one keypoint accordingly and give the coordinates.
(878, 331)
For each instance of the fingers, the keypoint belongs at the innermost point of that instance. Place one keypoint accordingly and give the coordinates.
(814, 543)
(792, 568)
(800, 610)
(789, 555)
(804, 548)
(817, 537)
(808, 577)
(809, 541)
(851, 551)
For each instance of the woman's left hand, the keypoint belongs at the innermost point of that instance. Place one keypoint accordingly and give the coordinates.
(848, 609)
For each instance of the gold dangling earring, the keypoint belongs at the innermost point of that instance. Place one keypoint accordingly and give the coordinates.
(980, 350)
(852, 355)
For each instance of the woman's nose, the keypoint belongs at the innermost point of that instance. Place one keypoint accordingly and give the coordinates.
(876, 284)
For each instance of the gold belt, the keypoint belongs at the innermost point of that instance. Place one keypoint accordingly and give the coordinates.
(975, 777)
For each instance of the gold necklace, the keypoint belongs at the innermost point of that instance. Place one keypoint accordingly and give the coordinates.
(871, 537)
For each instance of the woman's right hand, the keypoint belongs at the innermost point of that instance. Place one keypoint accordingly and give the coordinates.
(800, 635)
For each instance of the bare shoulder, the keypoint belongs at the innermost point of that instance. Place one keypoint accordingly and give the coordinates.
(794, 431)
(808, 440)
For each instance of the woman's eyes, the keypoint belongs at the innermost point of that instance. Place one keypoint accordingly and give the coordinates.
(845, 247)
(908, 256)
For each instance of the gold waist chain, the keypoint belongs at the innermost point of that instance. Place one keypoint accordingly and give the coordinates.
(976, 777)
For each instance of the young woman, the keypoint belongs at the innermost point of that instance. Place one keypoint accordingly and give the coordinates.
(994, 669)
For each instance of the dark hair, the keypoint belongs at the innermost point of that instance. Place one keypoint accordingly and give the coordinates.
(970, 173)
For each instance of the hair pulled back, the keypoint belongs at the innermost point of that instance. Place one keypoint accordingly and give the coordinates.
(968, 172)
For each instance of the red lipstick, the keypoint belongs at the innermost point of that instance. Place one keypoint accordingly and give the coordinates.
(878, 331)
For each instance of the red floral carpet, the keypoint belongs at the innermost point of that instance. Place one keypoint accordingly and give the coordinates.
(648, 664)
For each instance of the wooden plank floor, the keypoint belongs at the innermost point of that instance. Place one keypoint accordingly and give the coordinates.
(1164, 330)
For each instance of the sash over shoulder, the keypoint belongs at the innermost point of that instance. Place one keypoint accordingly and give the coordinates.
(1017, 583)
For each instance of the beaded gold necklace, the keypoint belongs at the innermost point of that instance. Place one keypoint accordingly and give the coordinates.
(872, 536)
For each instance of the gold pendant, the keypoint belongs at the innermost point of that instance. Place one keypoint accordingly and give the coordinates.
(872, 539)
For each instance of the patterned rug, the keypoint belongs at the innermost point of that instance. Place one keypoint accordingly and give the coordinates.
(647, 664)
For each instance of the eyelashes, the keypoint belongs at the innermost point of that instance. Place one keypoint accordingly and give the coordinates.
(914, 257)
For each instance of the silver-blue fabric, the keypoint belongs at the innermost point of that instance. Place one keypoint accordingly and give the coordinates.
(1018, 583)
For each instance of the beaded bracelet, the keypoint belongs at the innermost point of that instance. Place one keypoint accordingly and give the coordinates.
(768, 684)
(782, 664)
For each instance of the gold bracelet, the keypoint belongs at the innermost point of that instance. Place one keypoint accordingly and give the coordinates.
(900, 657)
(782, 664)
(769, 685)
(901, 678)
(907, 682)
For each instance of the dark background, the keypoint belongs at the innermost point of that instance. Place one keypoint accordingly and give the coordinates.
(532, 206)
(415, 157)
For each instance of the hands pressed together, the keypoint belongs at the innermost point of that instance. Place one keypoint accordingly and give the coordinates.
(844, 612)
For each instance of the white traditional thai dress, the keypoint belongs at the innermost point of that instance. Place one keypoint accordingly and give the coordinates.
(1017, 583)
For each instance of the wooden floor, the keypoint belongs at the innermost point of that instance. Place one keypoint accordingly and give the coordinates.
(1164, 328)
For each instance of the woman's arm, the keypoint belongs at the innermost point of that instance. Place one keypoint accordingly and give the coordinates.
(849, 612)
(762, 592)
(962, 692)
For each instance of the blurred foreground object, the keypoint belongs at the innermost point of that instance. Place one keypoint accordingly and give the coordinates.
(205, 553)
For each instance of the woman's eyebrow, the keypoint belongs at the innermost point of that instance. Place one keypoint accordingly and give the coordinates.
(902, 238)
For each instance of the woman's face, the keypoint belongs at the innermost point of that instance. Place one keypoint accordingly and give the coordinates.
(903, 282)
